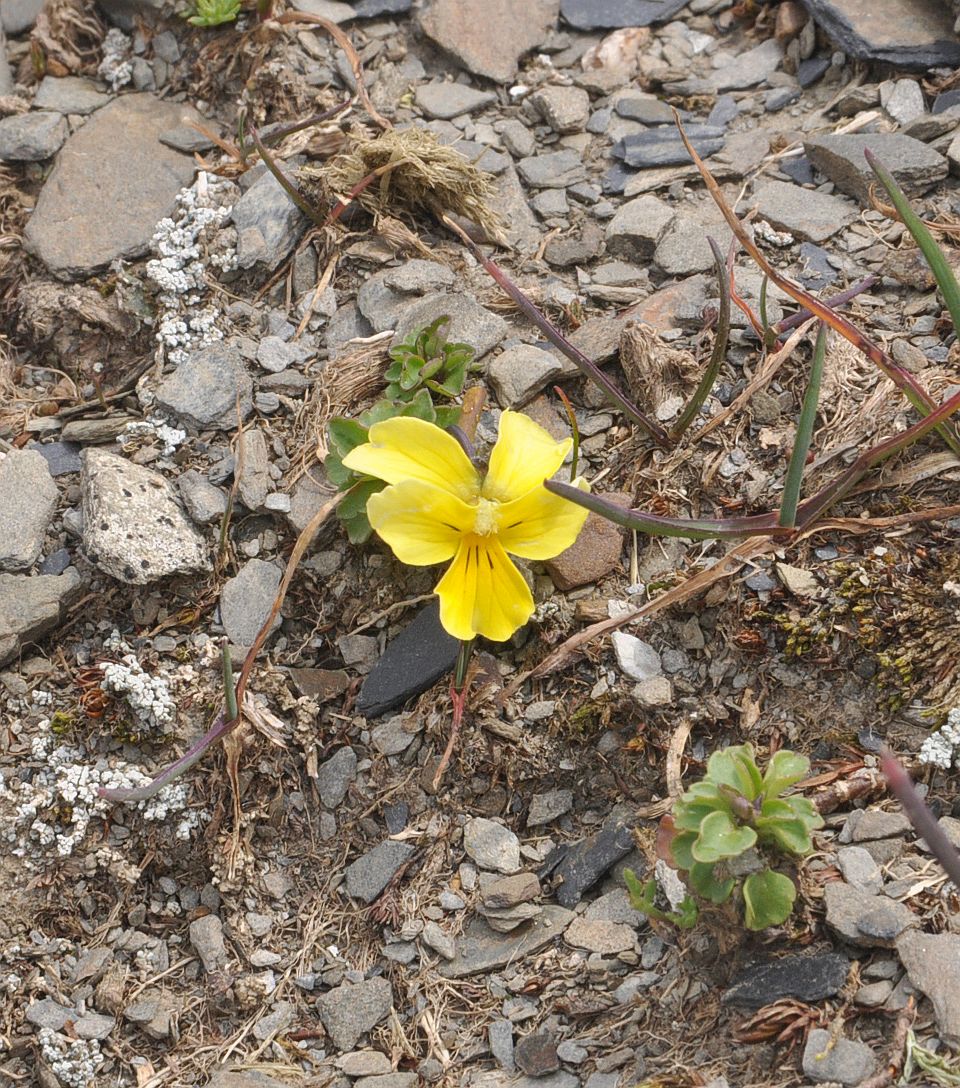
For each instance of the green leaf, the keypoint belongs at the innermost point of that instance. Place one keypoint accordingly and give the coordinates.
(721, 838)
(804, 809)
(767, 899)
(340, 476)
(642, 896)
(783, 771)
(358, 528)
(356, 502)
(346, 434)
(689, 815)
(705, 884)
(448, 416)
(680, 849)
(735, 766)
(790, 499)
(790, 835)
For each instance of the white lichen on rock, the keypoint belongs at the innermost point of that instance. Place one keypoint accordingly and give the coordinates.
(147, 696)
(116, 68)
(941, 748)
(74, 1062)
(168, 437)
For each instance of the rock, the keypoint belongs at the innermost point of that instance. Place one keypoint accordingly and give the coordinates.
(875, 824)
(411, 663)
(275, 354)
(383, 296)
(518, 139)
(350, 1010)
(335, 775)
(536, 1054)
(560, 1079)
(547, 807)
(805, 978)
(206, 937)
(638, 660)
(615, 907)
(203, 390)
(268, 223)
(519, 373)
(446, 100)
(865, 920)
(606, 938)
(246, 600)
(643, 107)
(577, 866)
(576, 248)
(204, 502)
(391, 1080)
(488, 37)
(433, 936)
(69, 94)
(469, 323)
(553, 169)
(507, 919)
(902, 99)
(62, 457)
(806, 214)
(685, 249)
(278, 1019)
(500, 1038)
(246, 1078)
(32, 606)
(638, 226)
(481, 949)
(748, 68)
(134, 528)
(253, 461)
(93, 1025)
(915, 165)
(46, 1013)
(364, 1063)
(32, 137)
(510, 891)
(657, 691)
(932, 961)
(919, 36)
(859, 869)
(17, 16)
(565, 109)
(390, 738)
(366, 878)
(320, 684)
(662, 146)
(28, 500)
(491, 845)
(842, 1061)
(114, 161)
(611, 14)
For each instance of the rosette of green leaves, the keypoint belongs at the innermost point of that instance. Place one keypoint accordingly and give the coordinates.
(213, 12)
(735, 809)
(427, 360)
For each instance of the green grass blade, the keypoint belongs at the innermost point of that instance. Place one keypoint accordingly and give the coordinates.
(801, 444)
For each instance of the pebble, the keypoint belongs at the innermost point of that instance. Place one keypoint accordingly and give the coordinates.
(206, 388)
(350, 1010)
(808, 215)
(607, 938)
(868, 921)
(32, 137)
(491, 845)
(446, 100)
(804, 978)
(246, 600)
(536, 1054)
(69, 94)
(500, 1039)
(594, 554)
(637, 227)
(547, 807)
(552, 170)
(844, 1061)
(565, 109)
(902, 99)
(519, 373)
(46, 1013)
(481, 949)
(390, 738)
(469, 323)
(859, 868)
(748, 68)
(518, 139)
(206, 937)
(364, 1063)
(253, 461)
(268, 223)
(28, 500)
(575, 867)
(278, 1019)
(608, 14)
(204, 502)
(932, 961)
(661, 145)
(366, 878)
(435, 937)
(335, 775)
(509, 891)
(636, 659)
(915, 165)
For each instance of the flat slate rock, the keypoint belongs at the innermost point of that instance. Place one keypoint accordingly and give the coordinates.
(576, 867)
(918, 34)
(915, 165)
(411, 663)
(204, 389)
(610, 14)
(268, 223)
(661, 145)
(481, 948)
(32, 606)
(32, 137)
(806, 978)
(114, 161)
(28, 499)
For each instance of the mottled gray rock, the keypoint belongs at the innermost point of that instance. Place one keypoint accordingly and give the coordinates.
(865, 920)
(808, 215)
(488, 37)
(253, 461)
(611, 14)
(16, 16)
(469, 323)
(350, 1010)
(275, 354)
(872, 824)
(843, 1061)
(597, 935)
(32, 606)
(204, 502)
(134, 528)
(93, 1025)
(915, 165)
(859, 868)
(565, 109)
(932, 961)
(491, 845)
(364, 1063)
(500, 1039)
(504, 892)
(384, 296)
(47, 1013)
(806, 978)
(436, 938)
(633, 233)
(114, 161)
(646, 108)
(662, 145)
(246, 600)
(684, 248)
(748, 68)
(550, 806)
(902, 99)
(203, 390)
(69, 94)
(917, 35)
(553, 170)
(32, 137)
(481, 948)
(576, 866)
(446, 100)
(536, 1054)
(519, 373)
(268, 223)
(637, 659)
(390, 738)
(518, 139)
(206, 937)
(366, 878)
(28, 499)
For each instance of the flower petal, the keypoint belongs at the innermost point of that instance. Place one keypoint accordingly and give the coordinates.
(540, 525)
(422, 524)
(525, 455)
(483, 593)
(405, 448)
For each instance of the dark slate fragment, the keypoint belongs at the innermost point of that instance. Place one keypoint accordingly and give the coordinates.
(817, 269)
(62, 457)
(575, 867)
(799, 169)
(371, 9)
(610, 14)
(945, 101)
(915, 35)
(616, 178)
(812, 69)
(662, 146)
(806, 978)
(414, 660)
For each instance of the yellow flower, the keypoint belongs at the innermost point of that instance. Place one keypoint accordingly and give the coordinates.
(438, 508)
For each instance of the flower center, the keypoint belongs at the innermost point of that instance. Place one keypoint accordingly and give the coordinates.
(485, 520)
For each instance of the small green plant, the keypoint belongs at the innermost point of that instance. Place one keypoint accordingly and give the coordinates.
(423, 367)
(213, 12)
(731, 821)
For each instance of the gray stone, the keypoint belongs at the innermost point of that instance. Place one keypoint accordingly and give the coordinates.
(637, 659)
(366, 878)
(16, 16)
(638, 226)
(932, 961)
(508, 891)
(643, 107)
(32, 606)
(469, 323)
(657, 691)
(507, 919)
(69, 94)
(500, 1038)
(358, 651)
(611, 14)
(662, 145)
(364, 1063)
(204, 389)
(488, 37)
(536, 1054)
(390, 738)
(384, 296)
(915, 165)
(510, 200)
(805, 978)
(865, 920)
(268, 223)
(902, 99)
(553, 169)
(114, 161)
(62, 458)
(481, 949)
(572, 1052)
(350, 1010)
(46, 1013)
(859, 868)
(575, 867)
(433, 936)
(607, 938)
(547, 807)
(93, 1025)
(204, 502)
(32, 137)
(577, 248)
(519, 373)
(334, 776)
(808, 215)
(446, 100)
(390, 1080)
(253, 461)
(518, 139)
(491, 845)
(560, 1079)
(134, 528)
(278, 1019)
(28, 499)
(206, 937)
(550, 203)
(875, 824)
(276, 355)
(919, 35)
(749, 68)
(615, 906)
(565, 109)
(843, 1061)
(685, 249)
(246, 600)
